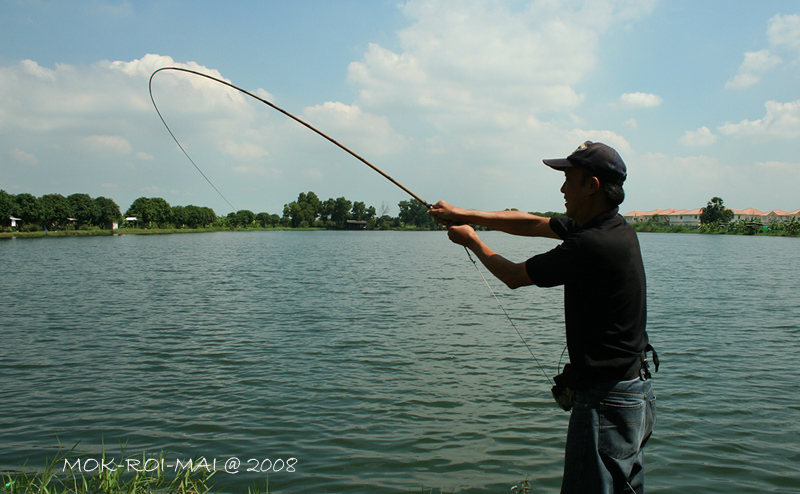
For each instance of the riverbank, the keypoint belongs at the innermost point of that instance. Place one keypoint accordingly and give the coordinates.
(137, 231)
(138, 474)
(165, 231)
(756, 230)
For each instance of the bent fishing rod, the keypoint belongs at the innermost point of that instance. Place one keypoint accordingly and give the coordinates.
(348, 150)
(274, 107)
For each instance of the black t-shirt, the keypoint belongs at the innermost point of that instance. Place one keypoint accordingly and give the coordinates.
(605, 300)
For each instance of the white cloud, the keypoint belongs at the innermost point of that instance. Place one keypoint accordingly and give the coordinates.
(778, 165)
(481, 89)
(783, 36)
(784, 32)
(755, 65)
(782, 121)
(257, 170)
(247, 151)
(23, 157)
(80, 119)
(107, 144)
(640, 100)
(31, 68)
(608, 137)
(368, 132)
(461, 64)
(700, 137)
(314, 174)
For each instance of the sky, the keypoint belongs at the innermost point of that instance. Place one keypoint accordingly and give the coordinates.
(456, 100)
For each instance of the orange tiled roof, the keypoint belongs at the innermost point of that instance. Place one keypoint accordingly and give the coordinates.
(740, 212)
(749, 212)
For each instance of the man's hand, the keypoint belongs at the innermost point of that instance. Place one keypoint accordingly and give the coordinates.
(514, 275)
(445, 214)
(463, 235)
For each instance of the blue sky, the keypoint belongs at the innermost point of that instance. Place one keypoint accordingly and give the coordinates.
(457, 100)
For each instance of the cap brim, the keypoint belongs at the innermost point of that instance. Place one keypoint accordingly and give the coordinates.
(559, 163)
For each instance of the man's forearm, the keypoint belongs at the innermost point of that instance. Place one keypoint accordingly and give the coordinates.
(514, 275)
(513, 222)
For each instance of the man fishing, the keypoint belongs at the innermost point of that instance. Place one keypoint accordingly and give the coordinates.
(607, 382)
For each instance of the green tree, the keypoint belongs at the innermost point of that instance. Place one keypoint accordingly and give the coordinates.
(361, 212)
(7, 208)
(265, 220)
(192, 216)
(30, 209)
(232, 220)
(107, 211)
(245, 218)
(326, 210)
(414, 213)
(385, 222)
(57, 210)
(340, 211)
(141, 210)
(715, 212)
(179, 216)
(161, 210)
(206, 216)
(150, 211)
(84, 209)
(792, 227)
(304, 211)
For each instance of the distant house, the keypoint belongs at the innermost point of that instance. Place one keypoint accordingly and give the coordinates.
(14, 221)
(749, 215)
(683, 217)
(355, 225)
(691, 217)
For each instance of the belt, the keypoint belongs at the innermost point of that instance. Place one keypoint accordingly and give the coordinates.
(640, 368)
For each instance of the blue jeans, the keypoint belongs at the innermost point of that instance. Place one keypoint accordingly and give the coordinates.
(608, 428)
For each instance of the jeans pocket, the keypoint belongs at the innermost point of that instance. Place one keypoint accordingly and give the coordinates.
(622, 425)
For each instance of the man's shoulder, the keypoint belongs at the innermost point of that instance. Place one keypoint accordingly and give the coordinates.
(563, 226)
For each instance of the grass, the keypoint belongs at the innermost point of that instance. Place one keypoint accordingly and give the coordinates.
(59, 477)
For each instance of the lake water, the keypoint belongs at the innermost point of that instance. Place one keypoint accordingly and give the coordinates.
(380, 362)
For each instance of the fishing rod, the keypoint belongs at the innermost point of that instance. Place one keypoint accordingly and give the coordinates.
(274, 107)
(348, 150)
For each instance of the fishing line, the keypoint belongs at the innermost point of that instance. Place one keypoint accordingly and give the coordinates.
(271, 105)
(349, 151)
(507, 316)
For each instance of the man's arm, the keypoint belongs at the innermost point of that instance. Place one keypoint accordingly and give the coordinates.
(513, 222)
(514, 275)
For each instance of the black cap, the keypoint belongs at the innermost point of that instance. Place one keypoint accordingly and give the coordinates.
(601, 160)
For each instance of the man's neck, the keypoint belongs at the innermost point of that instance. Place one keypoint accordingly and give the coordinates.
(593, 212)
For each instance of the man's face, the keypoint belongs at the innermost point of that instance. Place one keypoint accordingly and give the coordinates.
(576, 192)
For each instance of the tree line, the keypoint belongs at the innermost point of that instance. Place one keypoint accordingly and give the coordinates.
(80, 211)
(55, 211)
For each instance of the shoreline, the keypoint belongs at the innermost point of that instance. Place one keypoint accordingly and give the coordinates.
(168, 231)
(640, 228)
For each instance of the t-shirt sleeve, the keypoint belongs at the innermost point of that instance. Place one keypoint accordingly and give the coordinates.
(563, 226)
(557, 266)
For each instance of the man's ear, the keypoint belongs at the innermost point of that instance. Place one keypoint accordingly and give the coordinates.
(594, 185)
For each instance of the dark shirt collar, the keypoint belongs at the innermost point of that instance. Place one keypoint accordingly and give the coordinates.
(600, 218)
